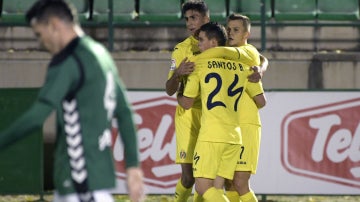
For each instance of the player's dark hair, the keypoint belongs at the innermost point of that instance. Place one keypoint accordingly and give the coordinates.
(214, 30)
(42, 10)
(199, 6)
(244, 19)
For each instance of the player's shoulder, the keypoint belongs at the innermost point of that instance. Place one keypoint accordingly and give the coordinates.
(250, 47)
(186, 43)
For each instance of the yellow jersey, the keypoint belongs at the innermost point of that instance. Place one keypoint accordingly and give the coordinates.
(247, 54)
(187, 48)
(220, 84)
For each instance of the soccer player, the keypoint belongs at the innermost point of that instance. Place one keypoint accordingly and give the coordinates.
(220, 84)
(83, 86)
(238, 28)
(196, 13)
(187, 122)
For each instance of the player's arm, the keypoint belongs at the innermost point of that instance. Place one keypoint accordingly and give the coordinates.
(245, 54)
(259, 70)
(229, 53)
(135, 183)
(180, 67)
(126, 126)
(264, 63)
(172, 84)
(185, 68)
(30, 121)
(256, 91)
(127, 129)
(260, 100)
(186, 94)
(185, 102)
(57, 84)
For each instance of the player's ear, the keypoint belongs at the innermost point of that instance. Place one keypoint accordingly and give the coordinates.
(214, 42)
(207, 19)
(247, 35)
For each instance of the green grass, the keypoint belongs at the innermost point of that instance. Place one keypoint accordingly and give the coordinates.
(169, 198)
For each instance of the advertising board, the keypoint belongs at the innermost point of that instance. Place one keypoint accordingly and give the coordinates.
(310, 143)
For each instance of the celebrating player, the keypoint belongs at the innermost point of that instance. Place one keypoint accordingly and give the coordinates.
(238, 28)
(187, 122)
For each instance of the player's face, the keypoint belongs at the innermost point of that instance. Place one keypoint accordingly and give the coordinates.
(237, 35)
(45, 34)
(194, 20)
(204, 42)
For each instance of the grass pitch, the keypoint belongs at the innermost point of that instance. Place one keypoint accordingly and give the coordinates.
(169, 198)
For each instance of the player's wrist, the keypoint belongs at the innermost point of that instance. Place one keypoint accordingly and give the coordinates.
(176, 76)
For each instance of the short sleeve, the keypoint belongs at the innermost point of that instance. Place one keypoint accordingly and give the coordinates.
(254, 89)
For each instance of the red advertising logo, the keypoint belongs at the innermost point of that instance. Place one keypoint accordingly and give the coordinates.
(324, 142)
(155, 123)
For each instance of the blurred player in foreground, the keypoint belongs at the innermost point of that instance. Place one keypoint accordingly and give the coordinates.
(83, 86)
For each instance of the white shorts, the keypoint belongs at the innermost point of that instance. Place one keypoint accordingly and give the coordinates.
(99, 196)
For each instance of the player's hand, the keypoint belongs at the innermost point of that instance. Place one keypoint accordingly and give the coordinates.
(256, 75)
(135, 184)
(185, 68)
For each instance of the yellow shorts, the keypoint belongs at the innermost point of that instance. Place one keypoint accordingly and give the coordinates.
(213, 159)
(249, 153)
(187, 126)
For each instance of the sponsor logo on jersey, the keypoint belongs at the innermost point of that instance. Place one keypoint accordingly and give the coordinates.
(241, 162)
(157, 142)
(173, 64)
(324, 142)
(182, 154)
(196, 158)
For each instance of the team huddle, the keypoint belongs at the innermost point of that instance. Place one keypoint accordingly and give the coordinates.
(216, 75)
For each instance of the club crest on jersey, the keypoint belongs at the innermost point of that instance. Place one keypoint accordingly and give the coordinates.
(173, 64)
